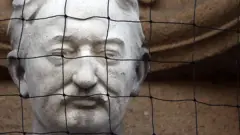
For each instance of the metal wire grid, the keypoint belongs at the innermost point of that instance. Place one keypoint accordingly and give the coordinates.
(150, 21)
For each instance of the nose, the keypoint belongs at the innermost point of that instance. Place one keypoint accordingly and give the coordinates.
(85, 77)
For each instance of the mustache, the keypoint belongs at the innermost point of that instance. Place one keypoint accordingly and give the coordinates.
(97, 93)
(63, 83)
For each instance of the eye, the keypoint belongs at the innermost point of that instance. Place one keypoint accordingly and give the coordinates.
(56, 54)
(111, 54)
(112, 57)
(62, 52)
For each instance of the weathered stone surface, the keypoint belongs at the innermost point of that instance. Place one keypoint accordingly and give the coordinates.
(3, 54)
(5, 13)
(175, 41)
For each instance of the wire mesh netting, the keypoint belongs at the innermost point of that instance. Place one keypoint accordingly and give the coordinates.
(151, 95)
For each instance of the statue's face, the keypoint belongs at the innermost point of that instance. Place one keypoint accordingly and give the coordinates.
(84, 71)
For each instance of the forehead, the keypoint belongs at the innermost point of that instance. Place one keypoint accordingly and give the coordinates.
(91, 29)
(42, 30)
(80, 8)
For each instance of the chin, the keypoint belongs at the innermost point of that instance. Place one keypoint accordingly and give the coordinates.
(92, 120)
(79, 121)
(87, 120)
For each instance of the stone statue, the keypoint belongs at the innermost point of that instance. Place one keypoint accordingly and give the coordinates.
(172, 39)
(54, 82)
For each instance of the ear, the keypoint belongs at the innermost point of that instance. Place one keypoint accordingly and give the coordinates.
(142, 70)
(17, 72)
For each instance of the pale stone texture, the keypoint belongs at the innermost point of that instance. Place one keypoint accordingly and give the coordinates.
(91, 65)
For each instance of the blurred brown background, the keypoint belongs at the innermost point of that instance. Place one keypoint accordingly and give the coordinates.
(214, 76)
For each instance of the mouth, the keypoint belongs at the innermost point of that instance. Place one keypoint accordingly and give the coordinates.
(83, 102)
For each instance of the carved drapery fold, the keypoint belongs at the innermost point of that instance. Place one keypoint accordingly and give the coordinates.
(217, 23)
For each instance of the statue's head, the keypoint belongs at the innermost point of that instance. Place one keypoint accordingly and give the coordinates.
(54, 83)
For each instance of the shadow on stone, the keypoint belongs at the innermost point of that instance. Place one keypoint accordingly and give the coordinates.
(4, 74)
(222, 67)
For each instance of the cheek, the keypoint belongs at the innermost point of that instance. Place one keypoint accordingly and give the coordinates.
(42, 77)
(122, 78)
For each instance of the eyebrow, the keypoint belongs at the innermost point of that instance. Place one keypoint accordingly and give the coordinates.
(111, 40)
(74, 39)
